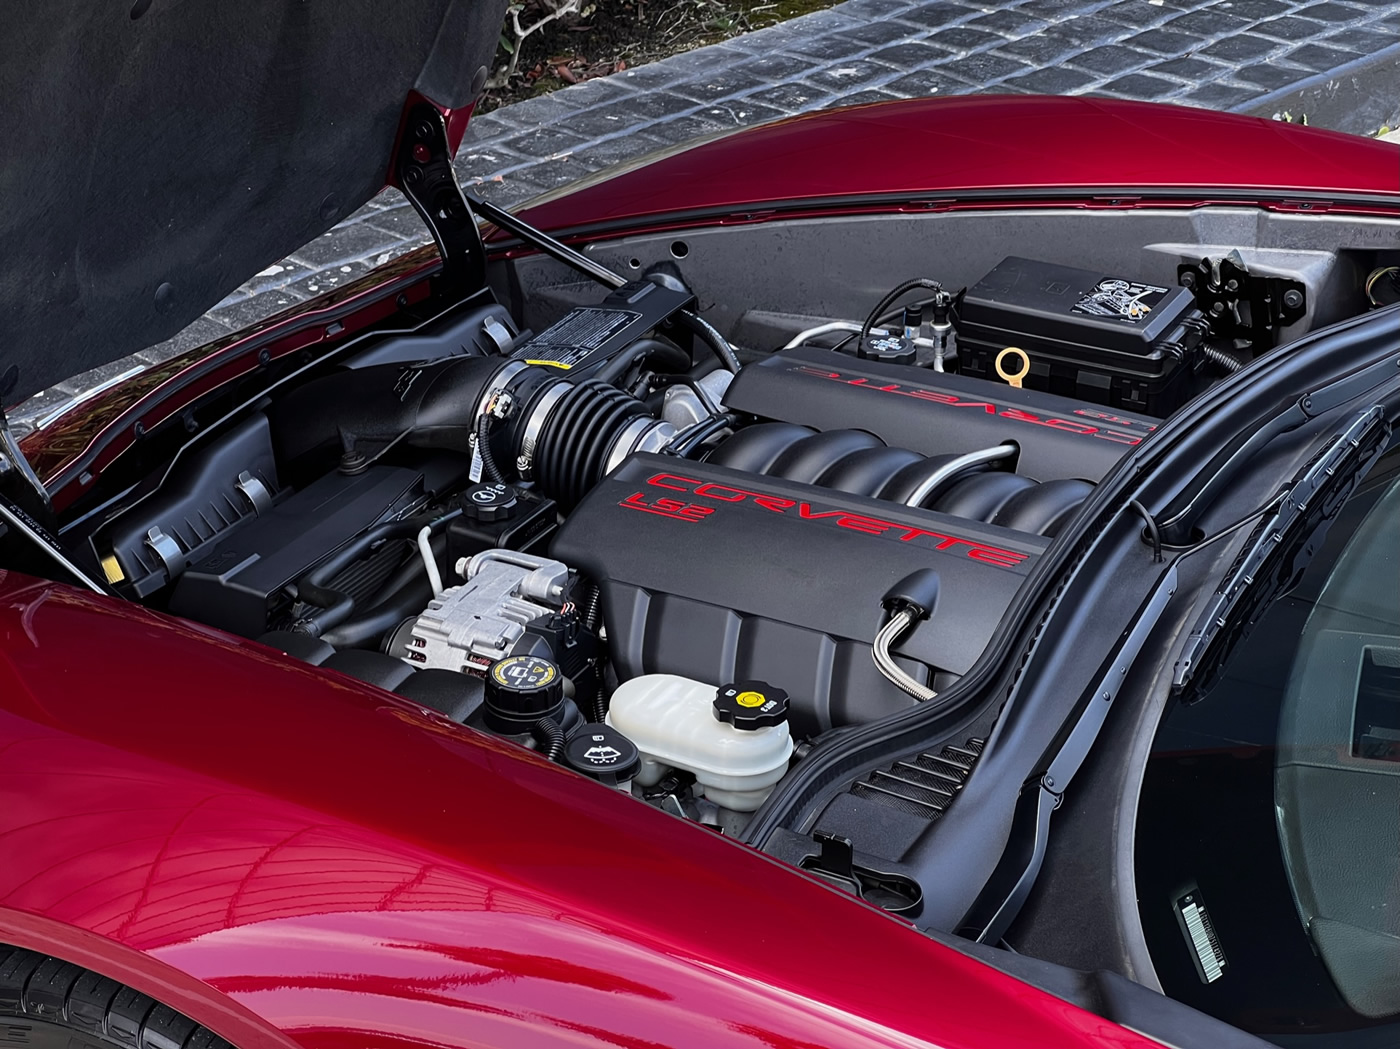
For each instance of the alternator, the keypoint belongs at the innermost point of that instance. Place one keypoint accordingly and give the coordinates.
(471, 626)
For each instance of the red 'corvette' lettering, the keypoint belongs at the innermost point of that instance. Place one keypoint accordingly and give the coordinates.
(775, 503)
(660, 482)
(862, 523)
(1020, 415)
(932, 395)
(723, 492)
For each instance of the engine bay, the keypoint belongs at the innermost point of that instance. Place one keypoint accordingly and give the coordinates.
(672, 558)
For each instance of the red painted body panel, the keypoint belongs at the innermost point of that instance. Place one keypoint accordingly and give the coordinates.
(180, 806)
(918, 150)
(944, 147)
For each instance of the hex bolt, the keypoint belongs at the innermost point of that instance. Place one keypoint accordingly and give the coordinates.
(1293, 298)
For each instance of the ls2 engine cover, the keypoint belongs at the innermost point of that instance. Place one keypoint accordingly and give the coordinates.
(720, 575)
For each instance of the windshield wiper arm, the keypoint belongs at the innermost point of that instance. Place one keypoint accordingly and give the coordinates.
(1317, 494)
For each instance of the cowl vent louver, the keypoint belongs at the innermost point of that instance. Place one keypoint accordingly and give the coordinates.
(924, 785)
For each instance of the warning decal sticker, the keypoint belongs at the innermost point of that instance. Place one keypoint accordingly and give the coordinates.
(1122, 299)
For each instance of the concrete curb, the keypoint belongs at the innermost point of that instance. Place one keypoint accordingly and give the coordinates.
(1360, 97)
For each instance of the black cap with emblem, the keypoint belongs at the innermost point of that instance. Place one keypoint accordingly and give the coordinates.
(488, 502)
(750, 705)
(521, 690)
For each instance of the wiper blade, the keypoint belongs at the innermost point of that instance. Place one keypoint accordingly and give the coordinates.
(1315, 496)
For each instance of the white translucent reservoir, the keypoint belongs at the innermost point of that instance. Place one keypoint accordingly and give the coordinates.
(671, 720)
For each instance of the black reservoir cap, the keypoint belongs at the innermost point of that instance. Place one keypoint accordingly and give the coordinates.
(751, 704)
(489, 502)
(603, 753)
(892, 349)
(519, 691)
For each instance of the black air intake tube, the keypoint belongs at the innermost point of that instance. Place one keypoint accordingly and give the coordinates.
(565, 435)
(436, 406)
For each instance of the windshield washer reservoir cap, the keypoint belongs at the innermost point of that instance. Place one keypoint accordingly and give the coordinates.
(751, 705)
(603, 753)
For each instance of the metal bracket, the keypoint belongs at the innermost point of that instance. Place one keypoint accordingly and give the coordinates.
(423, 170)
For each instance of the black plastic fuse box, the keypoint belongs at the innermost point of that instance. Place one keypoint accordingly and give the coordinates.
(1089, 335)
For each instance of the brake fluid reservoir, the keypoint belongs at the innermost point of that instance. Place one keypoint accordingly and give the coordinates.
(734, 739)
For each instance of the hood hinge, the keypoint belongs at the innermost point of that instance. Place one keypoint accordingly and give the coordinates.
(423, 171)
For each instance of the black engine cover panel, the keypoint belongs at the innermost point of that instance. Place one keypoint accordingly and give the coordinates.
(722, 575)
(937, 413)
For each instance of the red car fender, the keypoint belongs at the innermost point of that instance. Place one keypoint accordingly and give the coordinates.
(273, 848)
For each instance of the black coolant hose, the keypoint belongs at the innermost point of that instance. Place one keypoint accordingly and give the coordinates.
(690, 440)
(655, 352)
(408, 593)
(336, 605)
(710, 336)
(550, 737)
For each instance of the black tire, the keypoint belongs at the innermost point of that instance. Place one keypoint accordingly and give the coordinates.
(46, 1003)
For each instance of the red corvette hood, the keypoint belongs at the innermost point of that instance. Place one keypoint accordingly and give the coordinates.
(357, 871)
(941, 149)
(161, 152)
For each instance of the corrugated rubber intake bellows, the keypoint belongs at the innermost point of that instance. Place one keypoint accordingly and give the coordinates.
(577, 437)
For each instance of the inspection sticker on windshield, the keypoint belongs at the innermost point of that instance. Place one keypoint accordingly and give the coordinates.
(1124, 299)
(1199, 930)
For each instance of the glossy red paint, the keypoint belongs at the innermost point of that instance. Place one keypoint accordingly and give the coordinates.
(179, 806)
(931, 149)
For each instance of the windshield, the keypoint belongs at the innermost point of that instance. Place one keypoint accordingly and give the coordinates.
(1268, 840)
